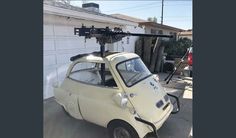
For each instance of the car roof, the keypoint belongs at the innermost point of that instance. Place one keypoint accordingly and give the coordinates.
(95, 54)
(96, 57)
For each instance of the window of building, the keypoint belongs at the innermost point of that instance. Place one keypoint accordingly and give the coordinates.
(160, 32)
(153, 31)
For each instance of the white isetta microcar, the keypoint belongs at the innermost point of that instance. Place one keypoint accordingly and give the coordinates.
(130, 102)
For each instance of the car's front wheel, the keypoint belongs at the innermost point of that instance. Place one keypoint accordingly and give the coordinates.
(120, 129)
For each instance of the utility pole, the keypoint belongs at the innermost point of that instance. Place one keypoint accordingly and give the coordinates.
(162, 6)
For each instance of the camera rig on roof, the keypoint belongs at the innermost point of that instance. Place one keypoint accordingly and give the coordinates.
(107, 35)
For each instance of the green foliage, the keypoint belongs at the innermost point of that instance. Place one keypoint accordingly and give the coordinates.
(152, 19)
(177, 48)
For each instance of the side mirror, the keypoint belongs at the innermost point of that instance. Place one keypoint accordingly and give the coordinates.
(121, 100)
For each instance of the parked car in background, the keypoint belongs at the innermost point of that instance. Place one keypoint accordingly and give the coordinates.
(190, 60)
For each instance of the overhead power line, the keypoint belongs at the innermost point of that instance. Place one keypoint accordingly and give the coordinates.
(147, 0)
(141, 7)
(133, 7)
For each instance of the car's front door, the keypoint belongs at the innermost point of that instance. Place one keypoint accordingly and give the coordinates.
(95, 100)
(96, 103)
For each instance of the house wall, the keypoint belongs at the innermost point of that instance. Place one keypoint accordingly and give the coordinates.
(127, 44)
(60, 44)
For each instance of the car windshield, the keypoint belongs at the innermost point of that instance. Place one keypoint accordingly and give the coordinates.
(133, 71)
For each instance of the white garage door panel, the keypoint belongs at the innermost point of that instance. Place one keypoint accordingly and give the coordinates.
(48, 44)
(64, 58)
(68, 51)
(91, 43)
(92, 49)
(55, 74)
(49, 75)
(46, 53)
(62, 70)
(48, 91)
(69, 43)
(64, 30)
(48, 30)
(49, 60)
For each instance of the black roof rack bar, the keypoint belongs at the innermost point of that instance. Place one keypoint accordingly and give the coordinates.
(96, 53)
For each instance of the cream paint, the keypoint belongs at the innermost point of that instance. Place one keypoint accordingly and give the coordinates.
(95, 103)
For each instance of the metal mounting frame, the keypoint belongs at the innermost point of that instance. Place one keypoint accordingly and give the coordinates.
(107, 35)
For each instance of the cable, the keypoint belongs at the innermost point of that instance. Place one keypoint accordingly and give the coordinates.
(137, 6)
(144, 8)
(176, 16)
(176, 20)
(147, 0)
(151, 6)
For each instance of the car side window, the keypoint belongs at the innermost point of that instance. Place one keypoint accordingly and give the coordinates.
(109, 80)
(90, 73)
(85, 72)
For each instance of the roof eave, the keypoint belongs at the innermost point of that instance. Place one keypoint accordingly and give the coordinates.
(82, 15)
(153, 24)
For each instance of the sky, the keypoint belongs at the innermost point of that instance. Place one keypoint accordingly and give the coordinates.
(176, 13)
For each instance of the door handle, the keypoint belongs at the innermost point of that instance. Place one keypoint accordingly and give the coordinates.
(133, 95)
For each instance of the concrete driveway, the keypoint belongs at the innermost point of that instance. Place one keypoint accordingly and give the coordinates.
(57, 124)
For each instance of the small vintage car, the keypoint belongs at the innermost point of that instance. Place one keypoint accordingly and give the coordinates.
(130, 102)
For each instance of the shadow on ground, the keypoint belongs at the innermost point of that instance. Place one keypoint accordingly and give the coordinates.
(178, 125)
(57, 124)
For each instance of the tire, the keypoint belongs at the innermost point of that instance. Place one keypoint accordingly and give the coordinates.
(150, 135)
(120, 129)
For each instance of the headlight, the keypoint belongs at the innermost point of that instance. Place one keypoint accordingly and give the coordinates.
(121, 99)
(159, 104)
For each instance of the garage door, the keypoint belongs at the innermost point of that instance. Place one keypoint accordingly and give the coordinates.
(59, 45)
